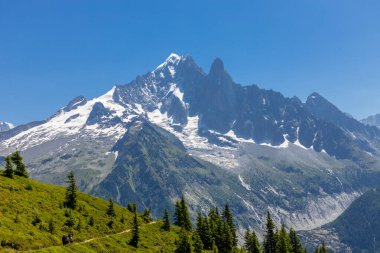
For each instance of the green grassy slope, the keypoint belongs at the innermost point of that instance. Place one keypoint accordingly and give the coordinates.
(22, 200)
(153, 239)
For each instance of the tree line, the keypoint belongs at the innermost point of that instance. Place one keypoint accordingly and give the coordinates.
(216, 232)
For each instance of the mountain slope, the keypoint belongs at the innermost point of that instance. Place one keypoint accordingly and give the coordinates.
(153, 169)
(153, 239)
(23, 200)
(355, 230)
(362, 134)
(358, 225)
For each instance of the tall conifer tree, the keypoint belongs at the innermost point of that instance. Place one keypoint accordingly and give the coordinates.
(283, 242)
(270, 237)
(185, 214)
(197, 243)
(135, 232)
(20, 169)
(251, 243)
(9, 171)
(166, 226)
(71, 191)
(184, 243)
(295, 242)
(111, 209)
(228, 218)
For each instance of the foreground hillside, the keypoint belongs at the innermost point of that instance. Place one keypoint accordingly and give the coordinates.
(32, 216)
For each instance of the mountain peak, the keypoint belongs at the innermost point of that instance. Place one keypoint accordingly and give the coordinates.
(314, 95)
(217, 66)
(173, 59)
(75, 103)
(5, 126)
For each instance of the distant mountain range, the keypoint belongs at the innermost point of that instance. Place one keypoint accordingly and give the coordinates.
(5, 126)
(373, 120)
(179, 130)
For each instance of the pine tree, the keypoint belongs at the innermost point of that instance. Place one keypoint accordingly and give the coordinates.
(226, 243)
(295, 242)
(71, 192)
(111, 210)
(283, 242)
(270, 238)
(135, 232)
(251, 243)
(197, 243)
(214, 221)
(207, 234)
(204, 232)
(228, 218)
(181, 215)
(184, 244)
(20, 166)
(166, 226)
(178, 214)
(8, 167)
(131, 207)
(185, 214)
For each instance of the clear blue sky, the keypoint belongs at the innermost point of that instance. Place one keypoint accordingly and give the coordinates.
(52, 51)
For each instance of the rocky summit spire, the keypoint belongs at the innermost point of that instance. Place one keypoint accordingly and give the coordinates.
(217, 67)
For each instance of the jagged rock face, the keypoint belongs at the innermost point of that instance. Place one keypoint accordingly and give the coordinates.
(180, 89)
(363, 135)
(180, 130)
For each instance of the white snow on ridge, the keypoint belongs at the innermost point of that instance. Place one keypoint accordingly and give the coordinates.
(59, 125)
(285, 144)
(5, 126)
(196, 144)
(172, 59)
(176, 91)
(10, 125)
(232, 135)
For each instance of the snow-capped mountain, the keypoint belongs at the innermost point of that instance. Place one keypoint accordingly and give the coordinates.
(373, 120)
(5, 126)
(178, 129)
